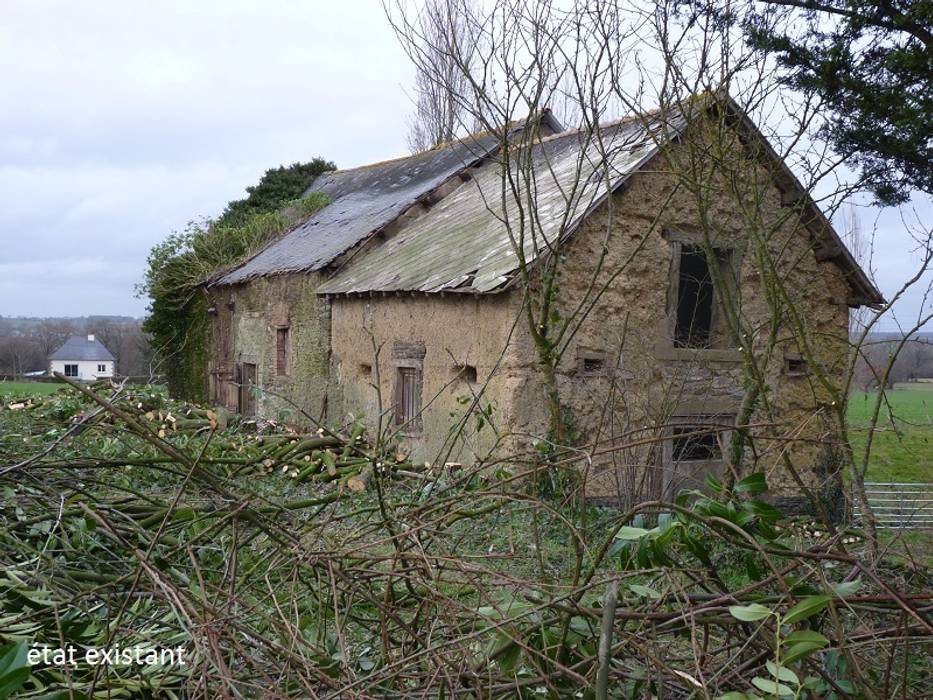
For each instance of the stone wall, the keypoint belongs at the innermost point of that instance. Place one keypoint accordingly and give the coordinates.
(246, 317)
(648, 383)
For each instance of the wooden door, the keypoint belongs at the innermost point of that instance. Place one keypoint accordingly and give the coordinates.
(246, 372)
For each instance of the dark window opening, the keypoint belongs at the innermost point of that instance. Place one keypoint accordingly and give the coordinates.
(101, 368)
(465, 373)
(407, 397)
(692, 443)
(594, 365)
(796, 366)
(366, 370)
(71, 370)
(281, 351)
(694, 300)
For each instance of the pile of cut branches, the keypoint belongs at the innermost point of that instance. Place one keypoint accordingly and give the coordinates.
(326, 564)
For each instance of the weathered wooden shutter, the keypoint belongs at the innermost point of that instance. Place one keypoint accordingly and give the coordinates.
(407, 403)
(281, 350)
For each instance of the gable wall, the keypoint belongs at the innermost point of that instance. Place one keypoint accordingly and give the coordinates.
(648, 381)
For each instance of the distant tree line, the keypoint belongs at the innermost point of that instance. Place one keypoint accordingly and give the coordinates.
(913, 360)
(26, 343)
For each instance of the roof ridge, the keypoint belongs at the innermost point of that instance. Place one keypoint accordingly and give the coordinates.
(457, 141)
(628, 118)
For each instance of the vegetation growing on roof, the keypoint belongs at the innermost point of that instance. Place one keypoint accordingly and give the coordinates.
(178, 266)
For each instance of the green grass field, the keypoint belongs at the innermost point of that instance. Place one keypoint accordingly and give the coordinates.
(28, 388)
(902, 446)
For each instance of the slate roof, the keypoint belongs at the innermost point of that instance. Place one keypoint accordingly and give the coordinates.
(463, 243)
(78, 347)
(365, 200)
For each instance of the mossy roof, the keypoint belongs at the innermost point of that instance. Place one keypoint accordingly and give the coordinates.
(473, 239)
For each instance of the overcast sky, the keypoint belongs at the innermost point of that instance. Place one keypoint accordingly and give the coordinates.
(124, 120)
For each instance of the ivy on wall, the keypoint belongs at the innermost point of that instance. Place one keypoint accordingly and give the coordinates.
(177, 268)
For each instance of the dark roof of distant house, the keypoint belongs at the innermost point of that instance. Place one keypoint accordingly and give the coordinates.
(365, 200)
(78, 347)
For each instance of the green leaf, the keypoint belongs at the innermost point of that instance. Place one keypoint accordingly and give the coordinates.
(771, 687)
(14, 668)
(847, 588)
(749, 613)
(508, 660)
(800, 650)
(753, 483)
(713, 484)
(638, 589)
(782, 673)
(631, 533)
(808, 607)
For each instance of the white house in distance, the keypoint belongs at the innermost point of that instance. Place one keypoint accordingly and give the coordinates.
(82, 357)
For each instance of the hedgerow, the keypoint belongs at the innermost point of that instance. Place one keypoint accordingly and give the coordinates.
(176, 268)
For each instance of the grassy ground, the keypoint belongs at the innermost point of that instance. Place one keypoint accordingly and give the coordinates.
(902, 446)
(27, 388)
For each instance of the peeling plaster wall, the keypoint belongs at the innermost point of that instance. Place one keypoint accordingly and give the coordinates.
(454, 330)
(244, 330)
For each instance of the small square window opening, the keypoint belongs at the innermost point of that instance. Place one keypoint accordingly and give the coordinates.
(695, 444)
(465, 373)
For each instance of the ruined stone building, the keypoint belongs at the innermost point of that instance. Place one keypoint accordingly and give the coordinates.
(402, 301)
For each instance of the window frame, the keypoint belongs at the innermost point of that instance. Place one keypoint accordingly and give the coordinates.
(101, 367)
(673, 474)
(724, 346)
(73, 366)
(282, 340)
(408, 422)
(408, 357)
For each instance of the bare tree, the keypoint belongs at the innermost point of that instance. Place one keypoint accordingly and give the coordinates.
(441, 82)
(50, 333)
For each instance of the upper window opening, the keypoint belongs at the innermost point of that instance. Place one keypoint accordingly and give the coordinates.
(281, 351)
(694, 300)
(796, 366)
(366, 370)
(594, 365)
(696, 314)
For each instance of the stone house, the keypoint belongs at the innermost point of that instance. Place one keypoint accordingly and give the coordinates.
(404, 300)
